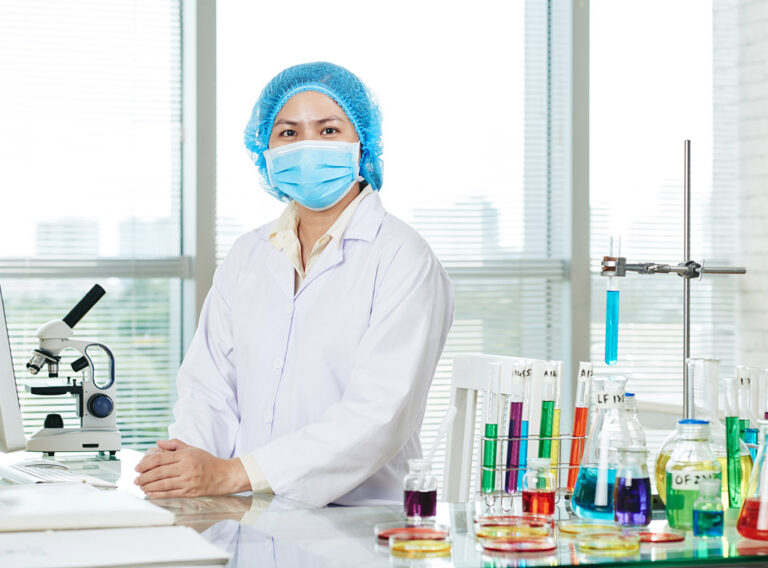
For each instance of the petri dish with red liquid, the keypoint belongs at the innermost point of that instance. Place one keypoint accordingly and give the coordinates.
(404, 530)
(658, 536)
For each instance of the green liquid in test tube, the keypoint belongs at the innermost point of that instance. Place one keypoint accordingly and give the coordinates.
(492, 418)
(732, 446)
(547, 411)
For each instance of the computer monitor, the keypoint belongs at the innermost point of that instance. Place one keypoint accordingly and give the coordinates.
(11, 427)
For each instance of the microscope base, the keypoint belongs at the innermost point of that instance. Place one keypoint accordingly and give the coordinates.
(50, 440)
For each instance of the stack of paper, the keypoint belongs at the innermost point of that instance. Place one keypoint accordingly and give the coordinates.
(74, 506)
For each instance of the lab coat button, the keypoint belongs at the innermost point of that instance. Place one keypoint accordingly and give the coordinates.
(278, 363)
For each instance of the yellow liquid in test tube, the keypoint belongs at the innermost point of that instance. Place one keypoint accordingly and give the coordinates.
(555, 452)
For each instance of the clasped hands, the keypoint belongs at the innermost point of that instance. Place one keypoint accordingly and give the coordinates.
(176, 469)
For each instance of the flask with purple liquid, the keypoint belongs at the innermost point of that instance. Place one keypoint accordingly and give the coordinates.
(420, 490)
(632, 491)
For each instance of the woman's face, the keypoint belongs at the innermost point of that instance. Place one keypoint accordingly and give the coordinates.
(310, 115)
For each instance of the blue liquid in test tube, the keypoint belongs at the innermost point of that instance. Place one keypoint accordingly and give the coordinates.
(523, 461)
(611, 327)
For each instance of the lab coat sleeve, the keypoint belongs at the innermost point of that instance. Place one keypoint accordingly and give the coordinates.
(383, 403)
(206, 413)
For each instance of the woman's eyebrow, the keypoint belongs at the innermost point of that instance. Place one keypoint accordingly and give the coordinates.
(328, 119)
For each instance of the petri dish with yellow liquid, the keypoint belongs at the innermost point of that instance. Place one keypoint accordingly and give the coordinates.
(608, 543)
(403, 546)
(576, 527)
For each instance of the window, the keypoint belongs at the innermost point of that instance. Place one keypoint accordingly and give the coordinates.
(476, 135)
(90, 107)
(677, 86)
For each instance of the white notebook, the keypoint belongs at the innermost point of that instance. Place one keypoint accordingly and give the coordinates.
(109, 548)
(74, 506)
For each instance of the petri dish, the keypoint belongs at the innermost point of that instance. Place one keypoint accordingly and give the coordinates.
(608, 543)
(575, 527)
(519, 545)
(403, 546)
(509, 532)
(428, 531)
(660, 535)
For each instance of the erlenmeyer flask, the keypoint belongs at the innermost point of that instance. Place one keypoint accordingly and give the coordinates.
(593, 494)
(753, 519)
(703, 405)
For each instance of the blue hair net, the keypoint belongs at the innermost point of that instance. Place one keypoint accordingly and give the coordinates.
(349, 92)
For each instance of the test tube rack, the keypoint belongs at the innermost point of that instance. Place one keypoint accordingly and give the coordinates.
(688, 269)
(499, 499)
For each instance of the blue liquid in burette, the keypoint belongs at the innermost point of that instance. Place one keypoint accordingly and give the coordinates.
(611, 327)
(523, 461)
(583, 500)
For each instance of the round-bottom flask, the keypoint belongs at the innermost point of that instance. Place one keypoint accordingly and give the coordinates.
(691, 462)
(703, 377)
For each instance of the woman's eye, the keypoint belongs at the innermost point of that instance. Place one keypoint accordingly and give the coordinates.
(329, 130)
(288, 132)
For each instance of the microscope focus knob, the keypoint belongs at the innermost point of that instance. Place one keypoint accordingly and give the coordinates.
(100, 405)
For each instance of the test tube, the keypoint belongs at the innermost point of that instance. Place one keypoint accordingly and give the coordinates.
(523, 459)
(744, 380)
(493, 411)
(555, 451)
(547, 410)
(755, 396)
(612, 309)
(732, 441)
(580, 414)
(520, 375)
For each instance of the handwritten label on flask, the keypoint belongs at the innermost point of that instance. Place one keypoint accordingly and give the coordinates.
(688, 480)
(609, 400)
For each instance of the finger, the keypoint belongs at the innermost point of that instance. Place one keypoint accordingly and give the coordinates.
(173, 444)
(168, 484)
(156, 460)
(161, 472)
(151, 452)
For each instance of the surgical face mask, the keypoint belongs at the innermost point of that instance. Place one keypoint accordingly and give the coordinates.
(315, 173)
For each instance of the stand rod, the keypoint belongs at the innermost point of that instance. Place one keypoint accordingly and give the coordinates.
(687, 406)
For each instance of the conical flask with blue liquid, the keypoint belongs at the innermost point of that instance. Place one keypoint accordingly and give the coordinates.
(593, 494)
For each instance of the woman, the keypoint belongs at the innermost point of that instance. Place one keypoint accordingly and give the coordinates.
(316, 346)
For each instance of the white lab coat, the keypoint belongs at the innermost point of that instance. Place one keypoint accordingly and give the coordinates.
(327, 386)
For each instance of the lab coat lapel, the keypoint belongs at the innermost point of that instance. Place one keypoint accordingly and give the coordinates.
(331, 256)
(282, 270)
(364, 225)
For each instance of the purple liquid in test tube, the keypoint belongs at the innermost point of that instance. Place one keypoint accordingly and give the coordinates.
(632, 501)
(513, 447)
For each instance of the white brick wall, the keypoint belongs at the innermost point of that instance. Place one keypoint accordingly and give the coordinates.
(752, 183)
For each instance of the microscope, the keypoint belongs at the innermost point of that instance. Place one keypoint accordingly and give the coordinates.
(95, 402)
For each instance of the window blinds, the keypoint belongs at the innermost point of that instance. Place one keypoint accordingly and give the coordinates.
(90, 174)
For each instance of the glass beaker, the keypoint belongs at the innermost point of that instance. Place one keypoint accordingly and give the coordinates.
(703, 405)
(636, 432)
(632, 493)
(753, 519)
(539, 488)
(690, 462)
(419, 490)
(593, 494)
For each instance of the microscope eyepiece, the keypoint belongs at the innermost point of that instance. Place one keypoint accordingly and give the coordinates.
(81, 308)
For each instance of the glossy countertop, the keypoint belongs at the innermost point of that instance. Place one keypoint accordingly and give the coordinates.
(264, 531)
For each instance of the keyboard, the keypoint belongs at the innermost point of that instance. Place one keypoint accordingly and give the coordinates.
(46, 471)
